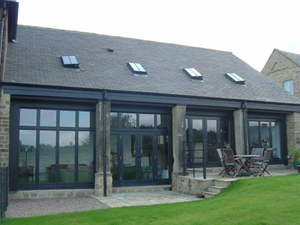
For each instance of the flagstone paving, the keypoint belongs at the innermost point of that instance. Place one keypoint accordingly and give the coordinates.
(145, 198)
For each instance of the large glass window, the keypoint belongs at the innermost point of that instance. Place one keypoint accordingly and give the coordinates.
(267, 134)
(56, 147)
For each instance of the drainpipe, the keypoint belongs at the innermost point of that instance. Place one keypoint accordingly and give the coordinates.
(245, 126)
(1, 40)
(104, 144)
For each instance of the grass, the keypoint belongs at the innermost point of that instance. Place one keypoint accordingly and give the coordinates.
(268, 200)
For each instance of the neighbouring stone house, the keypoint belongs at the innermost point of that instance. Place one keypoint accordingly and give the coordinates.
(284, 68)
(89, 111)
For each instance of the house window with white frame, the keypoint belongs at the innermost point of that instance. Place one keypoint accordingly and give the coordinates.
(289, 86)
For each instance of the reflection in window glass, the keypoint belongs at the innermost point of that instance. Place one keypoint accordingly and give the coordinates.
(146, 121)
(128, 120)
(187, 137)
(48, 118)
(265, 134)
(276, 145)
(84, 119)
(27, 153)
(28, 117)
(113, 120)
(129, 166)
(67, 156)
(198, 139)
(47, 157)
(85, 156)
(146, 157)
(162, 121)
(253, 133)
(67, 119)
(212, 140)
(162, 157)
(225, 134)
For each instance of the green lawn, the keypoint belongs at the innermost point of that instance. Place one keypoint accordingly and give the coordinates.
(265, 200)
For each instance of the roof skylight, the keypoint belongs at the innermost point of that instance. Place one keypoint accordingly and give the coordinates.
(235, 78)
(137, 68)
(70, 61)
(193, 73)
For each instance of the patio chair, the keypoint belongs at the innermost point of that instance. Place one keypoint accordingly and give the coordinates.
(262, 163)
(257, 151)
(221, 161)
(228, 162)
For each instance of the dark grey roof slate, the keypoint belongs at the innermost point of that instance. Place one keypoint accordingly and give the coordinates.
(291, 56)
(35, 59)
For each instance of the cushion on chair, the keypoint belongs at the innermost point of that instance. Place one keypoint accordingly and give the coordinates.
(229, 164)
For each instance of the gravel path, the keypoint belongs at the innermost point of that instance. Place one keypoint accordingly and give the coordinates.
(39, 207)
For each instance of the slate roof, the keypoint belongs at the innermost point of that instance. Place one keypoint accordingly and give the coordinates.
(35, 59)
(295, 58)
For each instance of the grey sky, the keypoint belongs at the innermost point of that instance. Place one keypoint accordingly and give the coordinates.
(249, 29)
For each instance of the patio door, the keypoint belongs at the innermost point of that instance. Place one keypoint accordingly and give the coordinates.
(139, 158)
(203, 138)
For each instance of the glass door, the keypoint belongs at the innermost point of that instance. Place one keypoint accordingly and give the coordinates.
(212, 143)
(146, 159)
(139, 159)
(203, 137)
(128, 172)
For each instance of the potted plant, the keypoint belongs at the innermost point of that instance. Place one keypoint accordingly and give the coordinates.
(295, 155)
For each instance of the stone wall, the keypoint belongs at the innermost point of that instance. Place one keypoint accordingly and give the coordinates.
(191, 186)
(4, 130)
(178, 136)
(239, 132)
(99, 188)
(293, 132)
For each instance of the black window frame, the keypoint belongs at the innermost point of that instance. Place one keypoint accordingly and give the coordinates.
(283, 142)
(15, 127)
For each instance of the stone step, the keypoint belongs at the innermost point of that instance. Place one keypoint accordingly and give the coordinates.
(223, 183)
(208, 194)
(134, 189)
(208, 170)
(215, 189)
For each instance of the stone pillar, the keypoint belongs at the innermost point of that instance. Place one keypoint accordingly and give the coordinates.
(4, 130)
(293, 133)
(239, 132)
(100, 148)
(178, 136)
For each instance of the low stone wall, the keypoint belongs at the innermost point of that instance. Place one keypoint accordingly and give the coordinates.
(188, 185)
(51, 194)
(152, 188)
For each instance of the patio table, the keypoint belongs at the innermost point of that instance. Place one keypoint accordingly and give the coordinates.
(245, 162)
